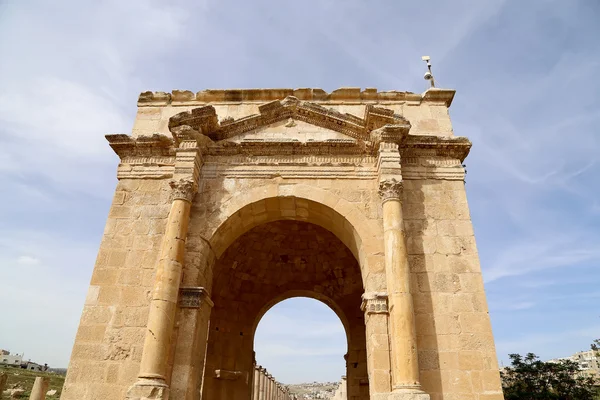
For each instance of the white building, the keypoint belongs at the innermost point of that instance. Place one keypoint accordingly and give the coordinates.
(13, 360)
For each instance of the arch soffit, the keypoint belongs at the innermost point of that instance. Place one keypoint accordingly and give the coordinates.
(306, 294)
(240, 213)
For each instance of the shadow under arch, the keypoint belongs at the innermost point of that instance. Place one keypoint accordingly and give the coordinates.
(279, 258)
(291, 294)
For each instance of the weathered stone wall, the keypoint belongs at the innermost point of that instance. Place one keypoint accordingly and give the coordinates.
(105, 357)
(457, 355)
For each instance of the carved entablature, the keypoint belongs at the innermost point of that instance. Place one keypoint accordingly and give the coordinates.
(204, 119)
(375, 303)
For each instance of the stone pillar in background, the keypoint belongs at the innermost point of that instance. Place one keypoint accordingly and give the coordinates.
(262, 384)
(271, 387)
(256, 383)
(403, 338)
(3, 378)
(40, 387)
(152, 378)
(268, 387)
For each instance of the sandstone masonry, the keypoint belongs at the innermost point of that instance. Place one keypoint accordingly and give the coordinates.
(230, 201)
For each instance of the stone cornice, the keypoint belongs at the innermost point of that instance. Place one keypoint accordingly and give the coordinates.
(455, 147)
(127, 146)
(186, 97)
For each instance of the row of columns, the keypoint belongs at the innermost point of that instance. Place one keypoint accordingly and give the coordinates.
(265, 387)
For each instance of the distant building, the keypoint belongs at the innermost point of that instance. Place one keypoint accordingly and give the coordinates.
(13, 360)
(31, 366)
(588, 362)
(341, 392)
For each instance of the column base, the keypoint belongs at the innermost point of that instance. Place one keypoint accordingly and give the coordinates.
(402, 394)
(148, 390)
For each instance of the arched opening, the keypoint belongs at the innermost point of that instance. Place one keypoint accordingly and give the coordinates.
(302, 340)
(271, 262)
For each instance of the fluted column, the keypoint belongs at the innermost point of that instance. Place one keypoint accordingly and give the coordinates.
(262, 382)
(268, 387)
(256, 383)
(161, 316)
(403, 339)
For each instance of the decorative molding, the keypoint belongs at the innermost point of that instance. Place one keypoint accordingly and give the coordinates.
(193, 297)
(211, 171)
(375, 303)
(287, 147)
(390, 189)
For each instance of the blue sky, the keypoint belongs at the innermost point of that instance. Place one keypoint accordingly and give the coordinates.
(527, 96)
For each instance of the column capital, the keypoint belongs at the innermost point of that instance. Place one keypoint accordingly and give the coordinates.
(183, 189)
(390, 189)
(375, 303)
(194, 297)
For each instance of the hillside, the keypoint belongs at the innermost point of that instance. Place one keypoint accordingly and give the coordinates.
(314, 390)
(24, 379)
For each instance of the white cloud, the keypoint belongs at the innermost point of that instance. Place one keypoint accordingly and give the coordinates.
(544, 253)
(28, 260)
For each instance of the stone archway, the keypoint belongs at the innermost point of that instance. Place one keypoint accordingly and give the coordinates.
(268, 263)
(380, 171)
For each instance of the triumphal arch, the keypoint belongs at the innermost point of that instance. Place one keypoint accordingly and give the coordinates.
(229, 201)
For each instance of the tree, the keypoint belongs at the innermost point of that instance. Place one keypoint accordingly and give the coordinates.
(528, 378)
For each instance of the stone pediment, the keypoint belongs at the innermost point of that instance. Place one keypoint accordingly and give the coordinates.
(291, 129)
(303, 119)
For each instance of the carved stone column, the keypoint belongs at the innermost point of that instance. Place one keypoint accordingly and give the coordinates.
(271, 391)
(152, 378)
(256, 383)
(403, 338)
(263, 383)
